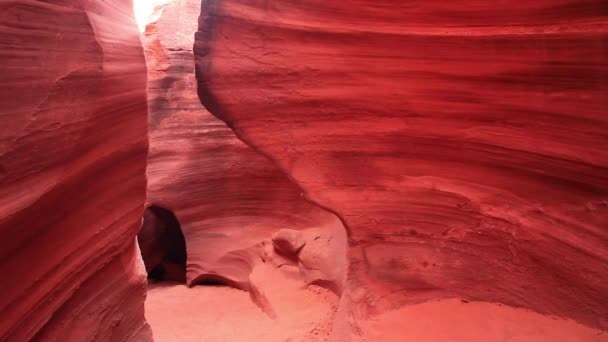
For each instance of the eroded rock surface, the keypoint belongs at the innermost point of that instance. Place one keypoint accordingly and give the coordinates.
(73, 146)
(462, 144)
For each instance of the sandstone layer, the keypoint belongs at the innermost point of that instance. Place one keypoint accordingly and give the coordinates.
(73, 146)
(462, 144)
(229, 200)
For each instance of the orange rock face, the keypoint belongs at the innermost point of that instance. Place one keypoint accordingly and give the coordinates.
(73, 146)
(462, 144)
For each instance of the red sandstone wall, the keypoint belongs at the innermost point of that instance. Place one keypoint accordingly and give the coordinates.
(73, 147)
(463, 143)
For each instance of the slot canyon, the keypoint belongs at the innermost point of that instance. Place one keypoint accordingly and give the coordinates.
(304, 170)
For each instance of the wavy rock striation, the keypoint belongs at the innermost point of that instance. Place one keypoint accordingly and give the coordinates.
(462, 144)
(73, 146)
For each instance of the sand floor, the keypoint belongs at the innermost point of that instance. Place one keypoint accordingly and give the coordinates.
(456, 321)
(223, 314)
(177, 313)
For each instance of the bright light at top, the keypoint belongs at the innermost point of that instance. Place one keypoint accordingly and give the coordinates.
(147, 11)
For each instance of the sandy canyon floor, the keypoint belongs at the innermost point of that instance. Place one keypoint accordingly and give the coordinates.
(219, 313)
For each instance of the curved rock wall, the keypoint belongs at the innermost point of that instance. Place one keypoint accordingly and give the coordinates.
(73, 147)
(226, 196)
(462, 143)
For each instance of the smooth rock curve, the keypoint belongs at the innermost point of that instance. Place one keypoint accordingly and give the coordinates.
(463, 144)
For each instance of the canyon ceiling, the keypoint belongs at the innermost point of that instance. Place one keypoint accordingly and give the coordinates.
(382, 153)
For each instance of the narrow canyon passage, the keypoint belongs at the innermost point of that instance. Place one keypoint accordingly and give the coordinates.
(406, 263)
(262, 262)
(303, 170)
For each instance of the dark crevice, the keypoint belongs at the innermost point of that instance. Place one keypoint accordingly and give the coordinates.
(162, 245)
(216, 280)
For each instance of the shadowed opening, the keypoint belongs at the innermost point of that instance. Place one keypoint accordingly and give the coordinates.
(162, 245)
